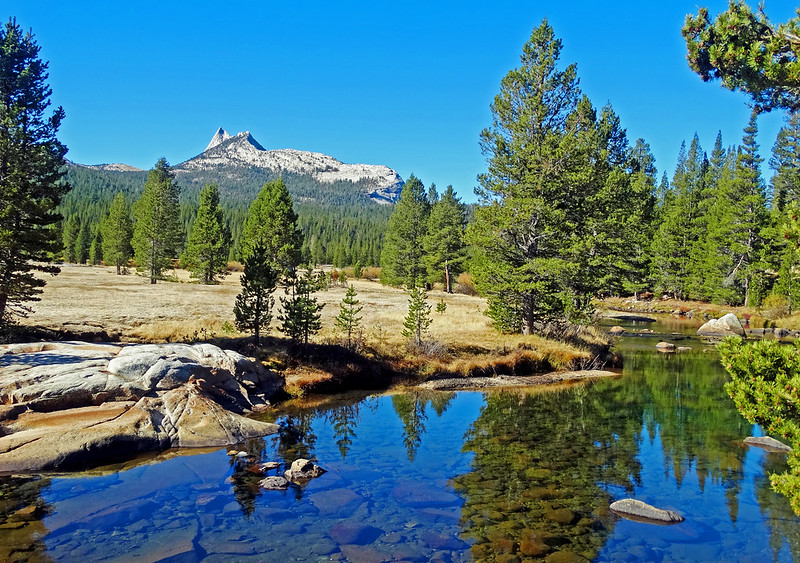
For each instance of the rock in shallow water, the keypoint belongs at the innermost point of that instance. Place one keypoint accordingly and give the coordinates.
(79, 404)
(727, 325)
(767, 443)
(642, 512)
(302, 471)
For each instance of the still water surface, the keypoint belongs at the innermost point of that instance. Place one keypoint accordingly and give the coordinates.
(501, 476)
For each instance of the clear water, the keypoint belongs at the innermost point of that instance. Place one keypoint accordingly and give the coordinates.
(420, 476)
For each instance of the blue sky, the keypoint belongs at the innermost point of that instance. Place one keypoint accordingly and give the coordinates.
(406, 84)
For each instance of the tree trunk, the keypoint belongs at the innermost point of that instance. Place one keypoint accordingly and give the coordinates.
(447, 283)
(3, 303)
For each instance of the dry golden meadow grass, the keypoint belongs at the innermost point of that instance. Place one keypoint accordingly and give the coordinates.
(131, 308)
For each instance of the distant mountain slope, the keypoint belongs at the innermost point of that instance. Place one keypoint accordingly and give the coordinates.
(337, 203)
(240, 166)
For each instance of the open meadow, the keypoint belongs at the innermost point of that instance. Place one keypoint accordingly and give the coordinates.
(83, 300)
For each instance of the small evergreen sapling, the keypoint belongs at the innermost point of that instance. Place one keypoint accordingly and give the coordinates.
(301, 312)
(418, 320)
(253, 308)
(348, 320)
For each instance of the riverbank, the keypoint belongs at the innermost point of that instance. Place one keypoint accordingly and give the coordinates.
(92, 303)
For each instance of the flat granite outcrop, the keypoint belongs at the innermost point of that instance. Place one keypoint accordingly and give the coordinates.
(73, 404)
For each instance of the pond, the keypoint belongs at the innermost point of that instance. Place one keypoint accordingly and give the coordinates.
(428, 476)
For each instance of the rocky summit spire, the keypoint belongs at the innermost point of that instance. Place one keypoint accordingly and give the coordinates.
(220, 136)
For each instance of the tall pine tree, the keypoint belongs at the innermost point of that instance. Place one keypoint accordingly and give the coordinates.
(679, 227)
(402, 256)
(31, 170)
(207, 247)
(444, 245)
(272, 223)
(253, 307)
(69, 237)
(117, 230)
(157, 232)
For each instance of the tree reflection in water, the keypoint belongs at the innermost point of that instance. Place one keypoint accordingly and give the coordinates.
(411, 408)
(547, 463)
(539, 459)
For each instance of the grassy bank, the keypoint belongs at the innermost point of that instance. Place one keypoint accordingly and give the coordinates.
(772, 313)
(93, 302)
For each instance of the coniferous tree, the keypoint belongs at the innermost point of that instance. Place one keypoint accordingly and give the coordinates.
(117, 232)
(348, 320)
(679, 228)
(253, 307)
(157, 232)
(83, 244)
(301, 311)
(418, 319)
(96, 250)
(444, 245)
(712, 249)
(747, 52)
(272, 222)
(31, 172)
(547, 230)
(701, 282)
(747, 218)
(69, 238)
(640, 200)
(207, 247)
(402, 256)
(779, 252)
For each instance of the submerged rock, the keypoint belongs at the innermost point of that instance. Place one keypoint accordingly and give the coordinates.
(665, 347)
(633, 509)
(274, 483)
(728, 325)
(75, 404)
(767, 443)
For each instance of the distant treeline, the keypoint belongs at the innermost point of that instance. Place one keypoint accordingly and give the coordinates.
(340, 223)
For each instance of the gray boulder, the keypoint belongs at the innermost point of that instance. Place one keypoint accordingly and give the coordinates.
(727, 325)
(639, 511)
(767, 443)
(665, 347)
(302, 471)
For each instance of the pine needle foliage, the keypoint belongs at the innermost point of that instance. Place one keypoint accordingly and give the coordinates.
(117, 230)
(348, 321)
(765, 387)
(254, 304)
(207, 247)
(31, 172)
(418, 320)
(157, 234)
(746, 51)
(301, 312)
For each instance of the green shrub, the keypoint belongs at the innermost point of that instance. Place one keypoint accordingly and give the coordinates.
(764, 386)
